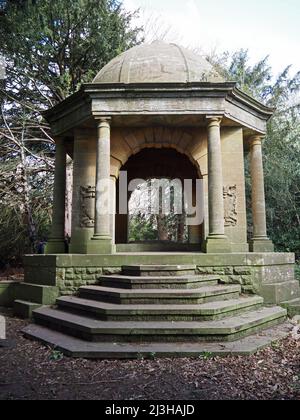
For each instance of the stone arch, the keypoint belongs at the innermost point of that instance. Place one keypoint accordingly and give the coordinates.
(126, 143)
(162, 162)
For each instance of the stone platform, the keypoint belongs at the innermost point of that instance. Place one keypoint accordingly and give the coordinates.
(270, 275)
(158, 309)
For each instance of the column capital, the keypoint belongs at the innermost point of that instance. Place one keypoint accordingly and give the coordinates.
(103, 121)
(256, 140)
(213, 120)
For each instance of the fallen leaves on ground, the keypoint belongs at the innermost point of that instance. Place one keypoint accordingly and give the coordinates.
(30, 370)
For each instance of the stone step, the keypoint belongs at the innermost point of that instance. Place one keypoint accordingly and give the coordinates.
(158, 270)
(102, 331)
(74, 347)
(172, 282)
(160, 296)
(23, 309)
(115, 312)
(44, 295)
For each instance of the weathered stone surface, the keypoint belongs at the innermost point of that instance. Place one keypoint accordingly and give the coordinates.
(45, 295)
(203, 312)
(2, 328)
(224, 330)
(247, 280)
(115, 313)
(75, 347)
(235, 280)
(7, 293)
(248, 290)
(158, 62)
(280, 292)
(24, 309)
(242, 271)
(80, 270)
(263, 268)
(70, 277)
(296, 319)
(91, 270)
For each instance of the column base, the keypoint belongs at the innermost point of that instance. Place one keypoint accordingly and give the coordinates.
(99, 246)
(55, 246)
(217, 245)
(261, 245)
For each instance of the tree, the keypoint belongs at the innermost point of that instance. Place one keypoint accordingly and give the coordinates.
(60, 44)
(50, 48)
(154, 215)
(282, 143)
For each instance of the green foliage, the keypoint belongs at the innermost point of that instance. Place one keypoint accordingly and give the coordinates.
(15, 239)
(60, 44)
(297, 271)
(56, 356)
(206, 355)
(50, 48)
(281, 146)
(142, 228)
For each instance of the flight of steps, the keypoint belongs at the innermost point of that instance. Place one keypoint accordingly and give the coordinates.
(163, 310)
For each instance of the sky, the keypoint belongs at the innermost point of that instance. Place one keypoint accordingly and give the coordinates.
(264, 27)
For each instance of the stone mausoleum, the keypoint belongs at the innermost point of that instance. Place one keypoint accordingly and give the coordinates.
(159, 110)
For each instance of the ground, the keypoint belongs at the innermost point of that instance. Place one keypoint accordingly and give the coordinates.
(30, 370)
(11, 273)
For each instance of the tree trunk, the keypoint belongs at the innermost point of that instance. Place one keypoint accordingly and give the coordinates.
(181, 228)
(26, 198)
(162, 228)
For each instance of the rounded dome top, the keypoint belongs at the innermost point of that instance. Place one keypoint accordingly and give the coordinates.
(158, 63)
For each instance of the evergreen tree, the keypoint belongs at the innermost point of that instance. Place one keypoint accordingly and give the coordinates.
(50, 48)
(281, 145)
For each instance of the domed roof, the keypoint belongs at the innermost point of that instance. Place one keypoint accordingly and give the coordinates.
(158, 62)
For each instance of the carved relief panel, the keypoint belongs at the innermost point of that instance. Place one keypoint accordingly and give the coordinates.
(230, 205)
(87, 206)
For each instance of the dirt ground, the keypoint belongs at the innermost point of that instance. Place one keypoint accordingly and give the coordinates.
(12, 274)
(30, 371)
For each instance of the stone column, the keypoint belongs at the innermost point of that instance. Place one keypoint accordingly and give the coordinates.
(113, 209)
(101, 243)
(216, 242)
(56, 243)
(83, 201)
(260, 241)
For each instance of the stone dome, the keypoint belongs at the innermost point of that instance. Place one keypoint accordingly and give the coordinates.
(158, 62)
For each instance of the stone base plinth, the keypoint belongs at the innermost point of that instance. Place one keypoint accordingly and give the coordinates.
(261, 245)
(100, 247)
(54, 246)
(266, 274)
(217, 245)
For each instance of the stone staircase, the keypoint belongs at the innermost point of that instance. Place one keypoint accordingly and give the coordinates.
(161, 310)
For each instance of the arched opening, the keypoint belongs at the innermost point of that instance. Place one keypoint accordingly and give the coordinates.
(161, 189)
